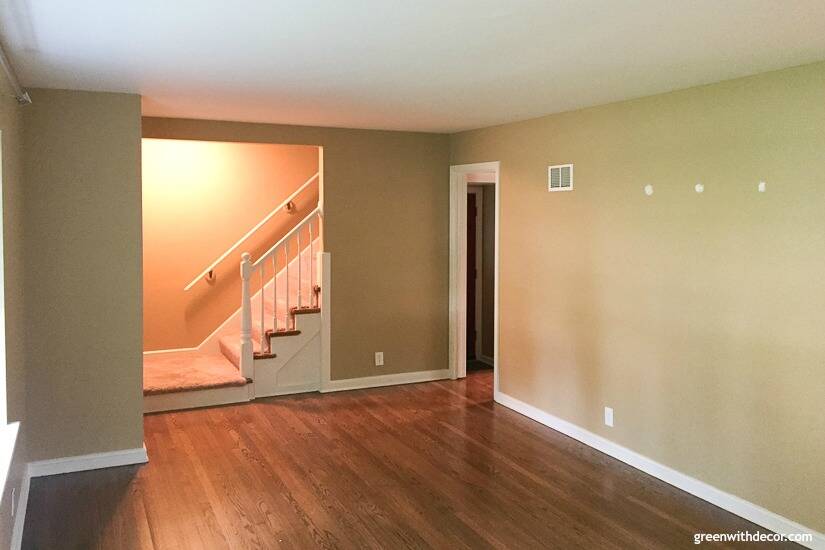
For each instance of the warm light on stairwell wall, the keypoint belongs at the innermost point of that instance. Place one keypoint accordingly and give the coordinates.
(199, 198)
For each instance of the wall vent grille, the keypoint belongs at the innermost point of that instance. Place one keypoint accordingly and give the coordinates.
(560, 177)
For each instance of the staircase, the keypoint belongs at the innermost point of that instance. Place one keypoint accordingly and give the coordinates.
(270, 346)
(274, 311)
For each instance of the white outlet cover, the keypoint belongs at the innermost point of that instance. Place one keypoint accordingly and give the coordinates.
(608, 416)
(762, 186)
(699, 187)
(379, 358)
(648, 189)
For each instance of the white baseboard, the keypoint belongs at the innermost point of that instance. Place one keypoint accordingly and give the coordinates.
(486, 360)
(709, 493)
(67, 465)
(20, 515)
(292, 390)
(385, 380)
(210, 397)
(87, 462)
(164, 351)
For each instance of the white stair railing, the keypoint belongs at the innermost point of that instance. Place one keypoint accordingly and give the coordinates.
(282, 248)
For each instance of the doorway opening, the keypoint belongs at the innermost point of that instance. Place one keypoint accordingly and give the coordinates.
(232, 235)
(474, 243)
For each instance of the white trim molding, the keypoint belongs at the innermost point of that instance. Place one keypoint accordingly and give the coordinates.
(726, 501)
(93, 461)
(208, 397)
(65, 465)
(20, 516)
(325, 270)
(386, 380)
(175, 350)
(459, 175)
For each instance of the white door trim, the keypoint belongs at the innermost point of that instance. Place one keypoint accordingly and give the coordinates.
(458, 268)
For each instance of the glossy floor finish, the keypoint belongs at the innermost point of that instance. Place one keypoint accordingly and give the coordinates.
(432, 465)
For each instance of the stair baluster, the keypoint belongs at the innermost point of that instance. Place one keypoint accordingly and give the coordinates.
(274, 293)
(264, 343)
(286, 256)
(298, 300)
(247, 356)
(311, 261)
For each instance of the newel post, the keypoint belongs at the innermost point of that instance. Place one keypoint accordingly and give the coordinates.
(247, 358)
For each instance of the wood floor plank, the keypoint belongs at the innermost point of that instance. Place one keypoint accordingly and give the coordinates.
(431, 465)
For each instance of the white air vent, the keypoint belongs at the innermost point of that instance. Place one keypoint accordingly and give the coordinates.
(560, 177)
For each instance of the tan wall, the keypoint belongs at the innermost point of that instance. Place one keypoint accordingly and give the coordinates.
(11, 115)
(697, 317)
(488, 264)
(83, 272)
(386, 219)
(199, 198)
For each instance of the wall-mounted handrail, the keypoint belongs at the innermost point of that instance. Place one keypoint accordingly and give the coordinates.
(249, 233)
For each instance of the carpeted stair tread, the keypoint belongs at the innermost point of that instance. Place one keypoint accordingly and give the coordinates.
(172, 372)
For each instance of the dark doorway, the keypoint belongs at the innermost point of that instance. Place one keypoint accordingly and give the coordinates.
(471, 275)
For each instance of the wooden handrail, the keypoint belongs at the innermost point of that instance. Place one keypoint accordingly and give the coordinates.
(249, 233)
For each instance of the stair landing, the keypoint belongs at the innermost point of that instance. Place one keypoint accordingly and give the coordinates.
(173, 372)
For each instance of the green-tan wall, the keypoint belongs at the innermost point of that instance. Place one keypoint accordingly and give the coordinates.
(82, 253)
(698, 318)
(11, 126)
(386, 215)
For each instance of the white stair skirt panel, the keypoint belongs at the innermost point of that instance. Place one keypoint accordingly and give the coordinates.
(296, 366)
(197, 398)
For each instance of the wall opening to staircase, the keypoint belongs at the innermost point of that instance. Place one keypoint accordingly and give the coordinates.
(205, 205)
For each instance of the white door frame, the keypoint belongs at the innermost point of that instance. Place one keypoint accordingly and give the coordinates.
(458, 268)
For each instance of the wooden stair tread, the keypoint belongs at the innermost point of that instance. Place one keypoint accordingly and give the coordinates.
(282, 332)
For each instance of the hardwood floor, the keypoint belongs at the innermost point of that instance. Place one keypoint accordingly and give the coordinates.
(432, 465)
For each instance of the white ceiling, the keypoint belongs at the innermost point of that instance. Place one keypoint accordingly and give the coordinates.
(434, 65)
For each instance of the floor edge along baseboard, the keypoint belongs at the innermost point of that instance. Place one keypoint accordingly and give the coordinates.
(94, 461)
(733, 504)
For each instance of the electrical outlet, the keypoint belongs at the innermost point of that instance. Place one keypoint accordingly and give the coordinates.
(608, 416)
(379, 358)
